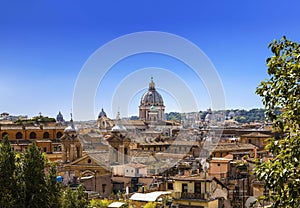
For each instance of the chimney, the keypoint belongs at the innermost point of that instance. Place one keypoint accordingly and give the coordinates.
(255, 152)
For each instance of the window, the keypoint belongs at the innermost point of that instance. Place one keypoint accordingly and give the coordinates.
(170, 186)
(103, 187)
(89, 160)
(4, 134)
(184, 188)
(197, 187)
(58, 134)
(32, 135)
(45, 149)
(46, 135)
(19, 135)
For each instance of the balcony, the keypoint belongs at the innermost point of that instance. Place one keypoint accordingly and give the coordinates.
(191, 196)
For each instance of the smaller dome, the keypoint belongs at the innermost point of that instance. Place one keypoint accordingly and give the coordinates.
(102, 114)
(59, 117)
(71, 129)
(231, 114)
(209, 117)
(118, 128)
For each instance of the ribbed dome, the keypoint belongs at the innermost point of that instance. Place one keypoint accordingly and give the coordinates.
(59, 117)
(102, 114)
(152, 97)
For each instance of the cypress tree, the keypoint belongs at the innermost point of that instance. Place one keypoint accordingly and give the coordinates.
(7, 174)
(33, 176)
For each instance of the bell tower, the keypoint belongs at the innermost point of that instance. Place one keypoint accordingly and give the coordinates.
(71, 146)
(119, 143)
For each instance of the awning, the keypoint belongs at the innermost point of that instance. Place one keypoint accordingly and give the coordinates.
(86, 177)
(148, 196)
(116, 204)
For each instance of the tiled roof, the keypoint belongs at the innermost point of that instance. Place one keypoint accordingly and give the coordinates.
(233, 147)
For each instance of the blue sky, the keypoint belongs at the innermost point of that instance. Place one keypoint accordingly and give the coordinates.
(44, 45)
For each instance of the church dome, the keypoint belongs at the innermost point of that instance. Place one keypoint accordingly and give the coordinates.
(71, 128)
(118, 125)
(152, 97)
(118, 128)
(102, 114)
(59, 117)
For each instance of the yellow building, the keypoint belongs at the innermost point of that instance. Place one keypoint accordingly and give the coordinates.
(198, 191)
(46, 135)
(257, 138)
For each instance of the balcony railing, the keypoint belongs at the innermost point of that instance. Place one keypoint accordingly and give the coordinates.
(193, 196)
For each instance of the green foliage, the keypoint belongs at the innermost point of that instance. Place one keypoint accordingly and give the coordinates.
(100, 203)
(134, 118)
(35, 120)
(7, 174)
(24, 182)
(35, 191)
(74, 198)
(53, 188)
(150, 205)
(244, 116)
(173, 116)
(282, 90)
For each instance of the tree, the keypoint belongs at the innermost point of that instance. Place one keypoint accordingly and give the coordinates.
(150, 205)
(73, 198)
(282, 91)
(100, 203)
(7, 174)
(33, 176)
(53, 188)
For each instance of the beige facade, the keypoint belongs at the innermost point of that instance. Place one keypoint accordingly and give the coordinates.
(92, 172)
(46, 135)
(259, 139)
(197, 191)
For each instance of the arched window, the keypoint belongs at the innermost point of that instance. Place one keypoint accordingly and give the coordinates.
(58, 135)
(19, 135)
(46, 135)
(32, 135)
(4, 134)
